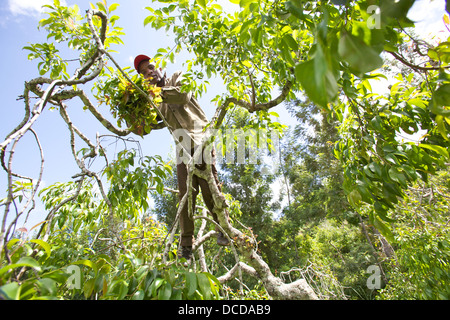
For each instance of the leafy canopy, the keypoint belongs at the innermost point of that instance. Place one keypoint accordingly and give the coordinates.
(331, 51)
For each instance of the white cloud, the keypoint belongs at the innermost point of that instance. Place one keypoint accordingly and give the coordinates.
(427, 15)
(228, 6)
(28, 7)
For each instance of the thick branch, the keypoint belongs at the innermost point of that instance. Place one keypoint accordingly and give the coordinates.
(201, 252)
(247, 247)
(230, 275)
(80, 162)
(262, 106)
(108, 125)
(36, 113)
(69, 94)
(218, 117)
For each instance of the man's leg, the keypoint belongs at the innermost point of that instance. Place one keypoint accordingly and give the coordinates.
(208, 198)
(186, 224)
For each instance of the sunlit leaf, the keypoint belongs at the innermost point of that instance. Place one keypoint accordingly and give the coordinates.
(317, 79)
(44, 245)
(360, 57)
(23, 262)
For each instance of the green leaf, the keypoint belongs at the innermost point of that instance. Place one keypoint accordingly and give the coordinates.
(440, 121)
(204, 285)
(440, 100)
(215, 284)
(177, 294)
(257, 34)
(123, 290)
(23, 262)
(139, 295)
(290, 42)
(191, 283)
(165, 292)
(88, 287)
(202, 3)
(295, 7)
(101, 7)
(155, 286)
(364, 191)
(383, 228)
(113, 7)
(397, 176)
(396, 9)
(441, 150)
(354, 198)
(317, 79)
(10, 291)
(12, 242)
(244, 3)
(160, 188)
(360, 57)
(47, 287)
(87, 263)
(44, 245)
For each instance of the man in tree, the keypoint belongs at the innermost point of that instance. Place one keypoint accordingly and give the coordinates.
(187, 121)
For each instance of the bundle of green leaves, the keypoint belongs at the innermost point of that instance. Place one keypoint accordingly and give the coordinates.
(128, 105)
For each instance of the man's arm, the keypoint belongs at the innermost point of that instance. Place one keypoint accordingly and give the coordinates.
(172, 94)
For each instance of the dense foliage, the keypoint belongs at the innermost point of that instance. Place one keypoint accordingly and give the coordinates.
(363, 208)
(127, 105)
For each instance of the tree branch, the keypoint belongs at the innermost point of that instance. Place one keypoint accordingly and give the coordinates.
(257, 107)
(230, 275)
(413, 66)
(246, 245)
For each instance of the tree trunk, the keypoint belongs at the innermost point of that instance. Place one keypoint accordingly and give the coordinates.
(277, 289)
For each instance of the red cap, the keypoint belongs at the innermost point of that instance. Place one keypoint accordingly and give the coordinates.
(139, 59)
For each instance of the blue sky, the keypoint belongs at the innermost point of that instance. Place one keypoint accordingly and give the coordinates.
(18, 28)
